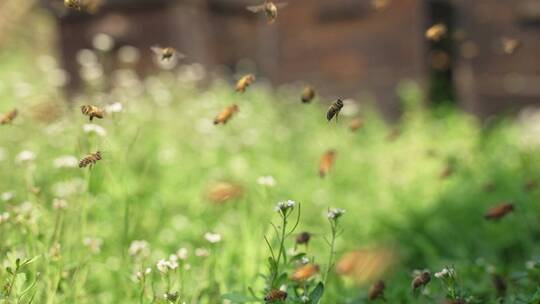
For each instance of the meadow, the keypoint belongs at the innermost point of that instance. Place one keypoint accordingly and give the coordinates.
(180, 210)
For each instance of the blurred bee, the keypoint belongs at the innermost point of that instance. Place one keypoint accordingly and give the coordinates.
(421, 280)
(380, 5)
(167, 53)
(269, 8)
(244, 83)
(303, 238)
(334, 109)
(308, 94)
(90, 160)
(510, 45)
(73, 4)
(93, 111)
(225, 115)
(356, 124)
(275, 295)
(436, 32)
(221, 192)
(499, 211)
(327, 162)
(8, 117)
(377, 290)
(305, 272)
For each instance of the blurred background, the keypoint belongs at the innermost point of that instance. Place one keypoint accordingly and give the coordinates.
(345, 48)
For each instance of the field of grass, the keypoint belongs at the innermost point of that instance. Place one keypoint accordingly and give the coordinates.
(173, 186)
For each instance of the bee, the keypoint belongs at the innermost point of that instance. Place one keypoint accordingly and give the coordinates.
(380, 5)
(275, 295)
(305, 272)
(356, 124)
(93, 111)
(90, 160)
(499, 211)
(510, 45)
(377, 290)
(421, 280)
(436, 32)
(8, 117)
(223, 191)
(327, 162)
(303, 238)
(166, 54)
(334, 109)
(225, 115)
(73, 4)
(269, 8)
(308, 94)
(244, 83)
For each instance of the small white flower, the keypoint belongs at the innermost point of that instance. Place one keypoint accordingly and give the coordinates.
(59, 204)
(202, 252)
(114, 108)
(304, 260)
(335, 213)
(94, 244)
(284, 206)
(182, 253)
(212, 237)
(4, 217)
(139, 248)
(163, 266)
(445, 273)
(25, 156)
(7, 196)
(66, 161)
(267, 181)
(93, 128)
(304, 299)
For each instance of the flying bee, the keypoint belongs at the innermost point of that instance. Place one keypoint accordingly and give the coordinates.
(334, 109)
(8, 117)
(499, 211)
(90, 160)
(73, 4)
(269, 8)
(510, 45)
(421, 280)
(377, 290)
(305, 272)
(93, 111)
(356, 124)
(436, 32)
(308, 94)
(275, 295)
(225, 115)
(303, 238)
(222, 192)
(166, 54)
(244, 83)
(327, 162)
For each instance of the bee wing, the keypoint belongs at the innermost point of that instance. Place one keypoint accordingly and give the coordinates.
(157, 49)
(255, 8)
(179, 55)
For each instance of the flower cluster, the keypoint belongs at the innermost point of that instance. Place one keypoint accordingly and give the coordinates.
(165, 265)
(285, 206)
(335, 213)
(446, 272)
(139, 248)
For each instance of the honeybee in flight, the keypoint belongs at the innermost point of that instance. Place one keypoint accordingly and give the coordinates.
(8, 117)
(510, 45)
(275, 295)
(90, 160)
(499, 211)
(73, 4)
(166, 53)
(226, 114)
(245, 82)
(327, 162)
(308, 94)
(421, 280)
(376, 291)
(436, 32)
(334, 109)
(269, 8)
(93, 111)
(305, 272)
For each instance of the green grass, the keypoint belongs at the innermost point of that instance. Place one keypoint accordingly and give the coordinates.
(161, 155)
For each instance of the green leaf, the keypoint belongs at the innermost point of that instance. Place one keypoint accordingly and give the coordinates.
(239, 298)
(317, 293)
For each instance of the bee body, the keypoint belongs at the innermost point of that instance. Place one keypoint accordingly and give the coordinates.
(93, 111)
(8, 117)
(244, 83)
(436, 32)
(499, 211)
(90, 160)
(303, 238)
(377, 290)
(327, 162)
(334, 109)
(269, 8)
(510, 45)
(308, 94)
(166, 54)
(275, 296)
(73, 4)
(226, 114)
(305, 272)
(421, 280)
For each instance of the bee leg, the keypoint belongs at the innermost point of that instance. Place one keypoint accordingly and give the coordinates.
(91, 117)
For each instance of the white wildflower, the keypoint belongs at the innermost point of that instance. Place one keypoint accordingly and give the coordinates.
(94, 244)
(284, 206)
(25, 156)
(267, 181)
(304, 299)
(335, 213)
(4, 217)
(445, 273)
(93, 128)
(7, 196)
(212, 237)
(182, 253)
(59, 204)
(116, 107)
(202, 252)
(162, 266)
(139, 248)
(66, 161)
